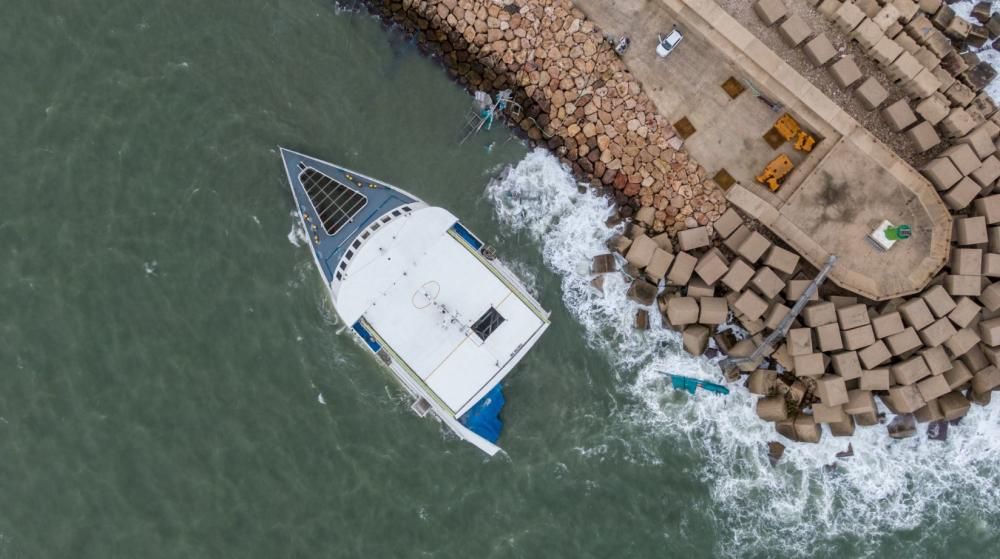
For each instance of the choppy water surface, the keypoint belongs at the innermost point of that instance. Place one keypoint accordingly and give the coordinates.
(175, 384)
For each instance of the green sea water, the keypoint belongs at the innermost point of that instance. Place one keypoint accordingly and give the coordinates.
(175, 384)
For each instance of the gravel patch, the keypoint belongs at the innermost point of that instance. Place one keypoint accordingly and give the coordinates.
(742, 11)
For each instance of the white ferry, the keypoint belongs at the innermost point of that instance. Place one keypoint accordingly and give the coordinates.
(420, 291)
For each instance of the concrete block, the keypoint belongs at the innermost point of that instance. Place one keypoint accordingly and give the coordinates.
(695, 338)
(832, 390)
(898, 116)
(964, 313)
(907, 9)
(754, 247)
(663, 241)
(772, 408)
(990, 297)
(829, 7)
(775, 314)
(929, 6)
(933, 109)
(682, 311)
(818, 314)
(932, 387)
(860, 401)
(909, 371)
(641, 251)
(819, 50)
(847, 17)
(980, 75)
(691, 239)
(738, 275)
(867, 34)
(887, 16)
(770, 11)
(905, 67)
(989, 332)
(957, 123)
(991, 265)
(887, 325)
(988, 208)
(962, 194)
(939, 331)
(963, 157)
(846, 364)
(953, 406)
(767, 283)
(853, 316)
(728, 222)
(875, 379)
(904, 399)
(966, 262)
(958, 376)
(963, 340)
(809, 365)
(986, 379)
(711, 267)
(781, 260)
(922, 86)
(885, 51)
(659, 264)
(937, 359)
(957, 29)
(938, 300)
(713, 310)
(858, 338)
(845, 72)
(823, 413)
(970, 230)
(905, 341)
(799, 341)
(683, 267)
(697, 288)
(959, 94)
(942, 173)
(828, 337)
(750, 305)
(916, 313)
(871, 94)
(737, 237)
(963, 285)
(642, 292)
(796, 288)
(993, 238)
(923, 136)
(794, 31)
(981, 140)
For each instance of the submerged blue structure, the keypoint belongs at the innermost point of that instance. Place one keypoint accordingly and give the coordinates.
(484, 418)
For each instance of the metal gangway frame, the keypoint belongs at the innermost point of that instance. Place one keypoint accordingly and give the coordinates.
(785, 323)
(487, 110)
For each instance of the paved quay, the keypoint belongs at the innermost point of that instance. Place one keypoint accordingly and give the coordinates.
(836, 195)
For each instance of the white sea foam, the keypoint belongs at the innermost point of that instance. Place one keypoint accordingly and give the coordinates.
(799, 506)
(297, 235)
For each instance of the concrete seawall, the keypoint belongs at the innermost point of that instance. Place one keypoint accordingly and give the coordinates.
(578, 98)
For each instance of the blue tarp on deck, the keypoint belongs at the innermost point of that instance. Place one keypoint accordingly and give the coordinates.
(484, 418)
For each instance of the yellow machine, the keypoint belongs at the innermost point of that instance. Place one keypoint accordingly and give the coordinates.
(777, 169)
(789, 129)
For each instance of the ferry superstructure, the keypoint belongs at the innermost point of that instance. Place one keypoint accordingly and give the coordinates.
(426, 296)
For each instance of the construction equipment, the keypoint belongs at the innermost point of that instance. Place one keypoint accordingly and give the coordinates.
(776, 170)
(804, 142)
(789, 129)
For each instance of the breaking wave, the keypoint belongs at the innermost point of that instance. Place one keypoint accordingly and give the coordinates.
(803, 506)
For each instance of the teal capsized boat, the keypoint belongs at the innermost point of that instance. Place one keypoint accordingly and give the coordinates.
(681, 382)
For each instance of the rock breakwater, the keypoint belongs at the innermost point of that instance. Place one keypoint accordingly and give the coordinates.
(577, 97)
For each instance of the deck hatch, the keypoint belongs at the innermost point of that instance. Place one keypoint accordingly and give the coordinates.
(335, 203)
(487, 324)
